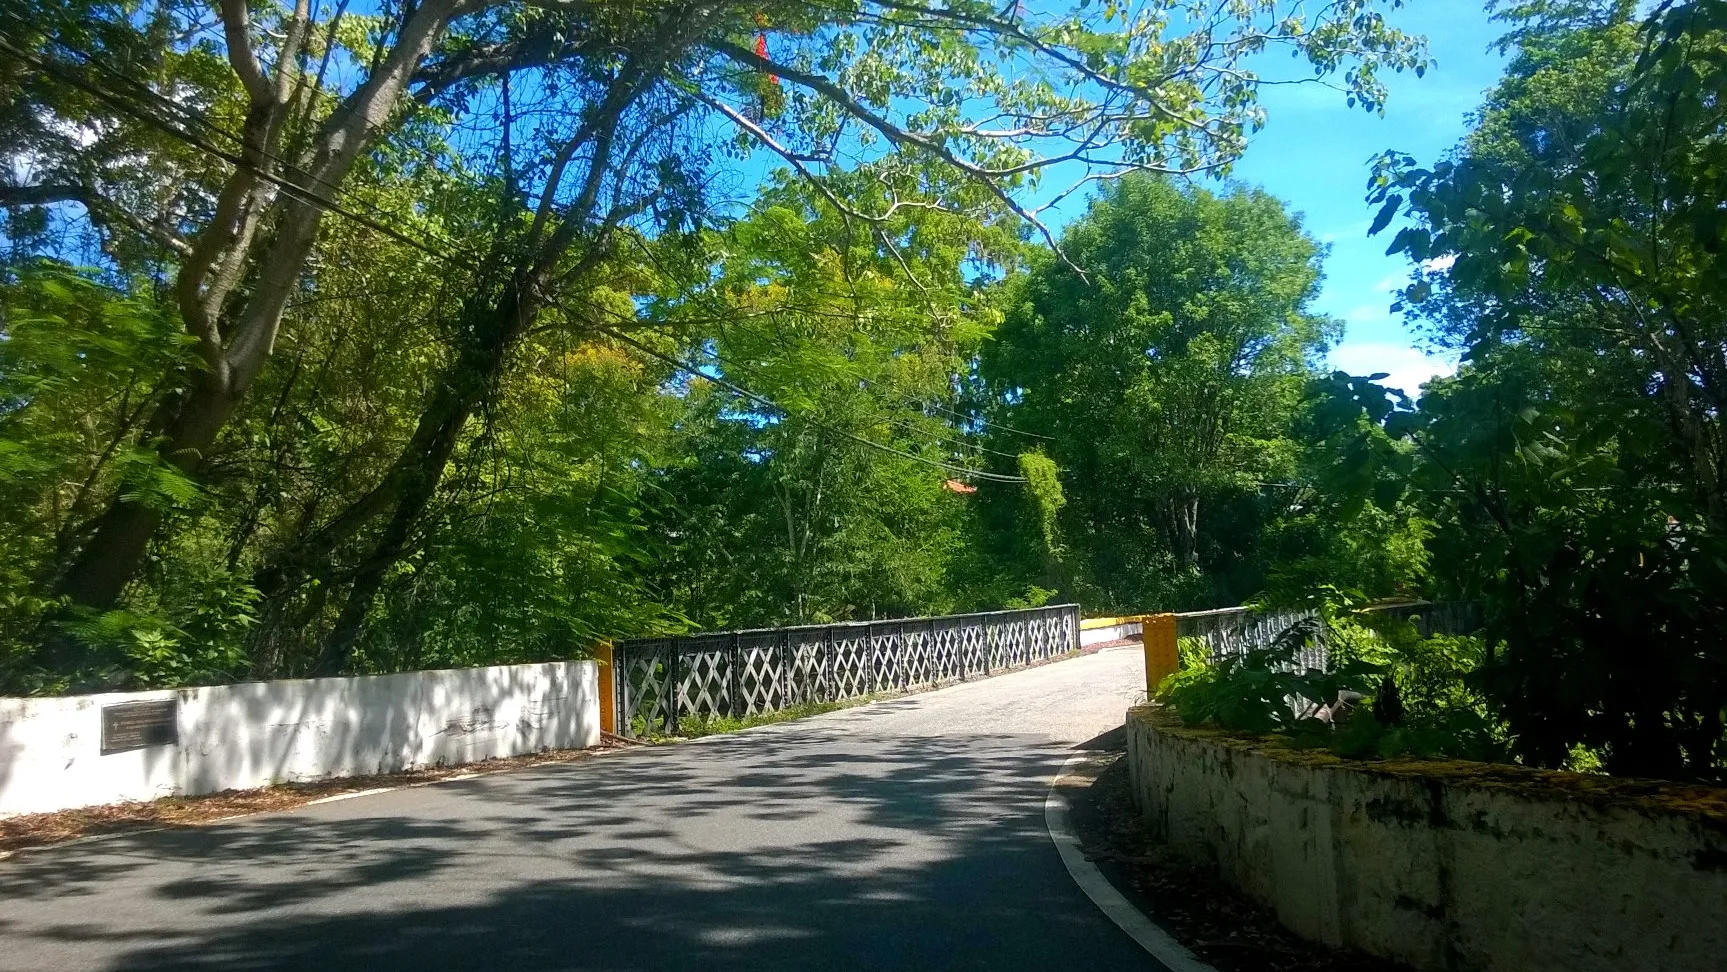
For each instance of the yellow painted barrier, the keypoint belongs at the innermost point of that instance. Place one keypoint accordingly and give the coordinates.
(1089, 623)
(608, 706)
(1157, 633)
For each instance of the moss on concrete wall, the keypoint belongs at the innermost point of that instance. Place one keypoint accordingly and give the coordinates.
(1444, 864)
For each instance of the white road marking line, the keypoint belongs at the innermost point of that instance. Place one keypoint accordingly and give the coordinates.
(1174, 955)
(348, 796)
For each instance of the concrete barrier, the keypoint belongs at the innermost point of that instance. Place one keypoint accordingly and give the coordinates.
(1447, 865)
(1098, 631)
(54, 754)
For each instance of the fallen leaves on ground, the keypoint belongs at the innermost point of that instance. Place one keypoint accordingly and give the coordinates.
(1218, 923)
(41, 829)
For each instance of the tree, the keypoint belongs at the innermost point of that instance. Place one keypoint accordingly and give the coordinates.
(273, 136)
(1167, 377)
(824, 493)
(1574, 465)
(253, 231)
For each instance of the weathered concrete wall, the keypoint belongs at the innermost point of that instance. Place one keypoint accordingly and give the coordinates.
(258, 733)
(1453, 866)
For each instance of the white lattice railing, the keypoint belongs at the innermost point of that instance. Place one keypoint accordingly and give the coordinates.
(660, 681)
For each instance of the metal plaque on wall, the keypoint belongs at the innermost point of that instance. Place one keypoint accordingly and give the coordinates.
(135, 725)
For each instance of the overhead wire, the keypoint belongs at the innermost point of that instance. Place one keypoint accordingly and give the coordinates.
(201, 120)
(695, 371)
(311, 197)
(902, 423)
(913, 400)
(956, 413)
(167, 127)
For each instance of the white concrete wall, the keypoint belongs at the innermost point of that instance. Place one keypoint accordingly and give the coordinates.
(1103, 634)
(1441, 868)
(259, 733)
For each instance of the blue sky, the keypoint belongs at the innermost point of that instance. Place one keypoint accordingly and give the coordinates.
(1314, 155)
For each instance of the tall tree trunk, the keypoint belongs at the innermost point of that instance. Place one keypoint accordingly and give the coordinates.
(492, 324)
(235, 338)
(493, 330)
(1184, 527)
(123, 531)
(122, 534)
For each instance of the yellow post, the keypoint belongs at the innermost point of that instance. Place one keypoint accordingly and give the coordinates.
(1157, 632)
(608, 706)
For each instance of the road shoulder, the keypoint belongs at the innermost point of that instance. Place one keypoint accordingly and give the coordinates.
(1209, 923)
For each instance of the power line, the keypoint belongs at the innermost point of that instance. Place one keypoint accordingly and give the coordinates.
(308, 196)
(763, 400)
(141, 114)
(921, 403)
(929, 403)
(197, 118)
(902, 423)
(987, 423)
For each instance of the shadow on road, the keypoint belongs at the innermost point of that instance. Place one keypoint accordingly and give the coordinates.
(804, 850)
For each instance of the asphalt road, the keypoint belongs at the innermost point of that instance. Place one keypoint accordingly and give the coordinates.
(902, 835)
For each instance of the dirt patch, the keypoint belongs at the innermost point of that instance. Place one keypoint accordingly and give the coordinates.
(41, 829)
(1186, 897)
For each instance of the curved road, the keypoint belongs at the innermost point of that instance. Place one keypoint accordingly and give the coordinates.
(901, 835)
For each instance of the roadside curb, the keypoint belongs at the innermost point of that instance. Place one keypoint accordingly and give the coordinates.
(1168, 952)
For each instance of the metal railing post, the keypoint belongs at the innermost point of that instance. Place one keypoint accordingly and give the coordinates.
(990, 640)
(606, 679)
(874, 659)
(901, 659)
(620, 663)
(674, 688)
(735, 686)
(1157, 634)
(824, 681)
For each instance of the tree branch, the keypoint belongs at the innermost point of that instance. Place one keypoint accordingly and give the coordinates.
(101, 211)
(235, 21)
(893, 133)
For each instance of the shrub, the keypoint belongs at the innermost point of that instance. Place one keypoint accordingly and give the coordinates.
(1387, 691)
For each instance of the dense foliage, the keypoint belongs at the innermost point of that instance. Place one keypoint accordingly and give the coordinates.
(458, 333)
(1386, 691)
(1164, 380)
(443, 333)
(1573, 468)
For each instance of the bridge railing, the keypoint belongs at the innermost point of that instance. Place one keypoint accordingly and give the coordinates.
(659, 682)
(1236, 630)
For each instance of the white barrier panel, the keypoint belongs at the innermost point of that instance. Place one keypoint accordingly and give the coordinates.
(1124, 631)
(86, 750)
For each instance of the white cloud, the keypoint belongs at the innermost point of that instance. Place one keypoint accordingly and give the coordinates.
(1406, 367)
(1439, 262)
(1349, 232)
(1392, 283)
